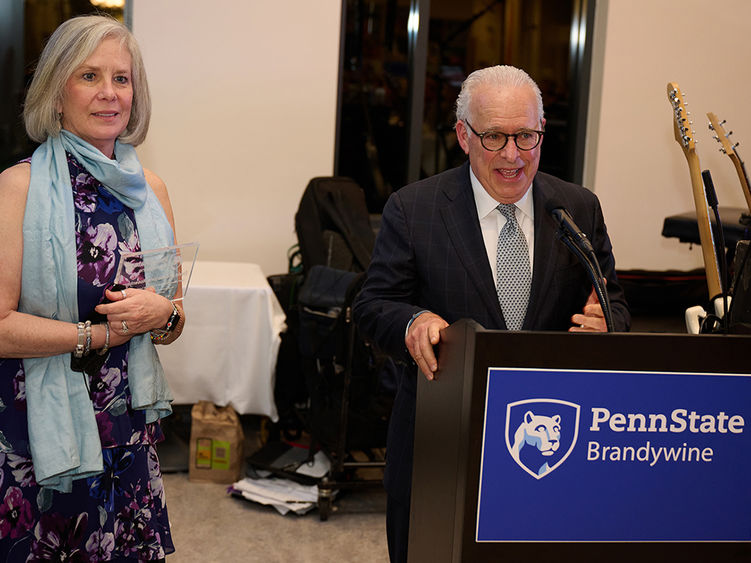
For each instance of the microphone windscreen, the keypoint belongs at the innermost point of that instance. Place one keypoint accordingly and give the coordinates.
(552, 204)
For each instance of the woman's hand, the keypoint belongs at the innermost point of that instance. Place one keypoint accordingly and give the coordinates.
(134, 311)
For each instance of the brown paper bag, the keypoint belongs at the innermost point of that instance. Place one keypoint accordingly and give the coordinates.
(216, 444)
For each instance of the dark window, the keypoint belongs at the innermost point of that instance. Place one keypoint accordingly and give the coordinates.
(380, 57)
(25, 26)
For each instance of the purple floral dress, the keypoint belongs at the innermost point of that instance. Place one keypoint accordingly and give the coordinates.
(120, 513)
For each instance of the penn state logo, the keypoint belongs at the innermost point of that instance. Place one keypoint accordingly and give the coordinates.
(541, 433)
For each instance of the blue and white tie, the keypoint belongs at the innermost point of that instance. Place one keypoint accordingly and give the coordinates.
(513, 277)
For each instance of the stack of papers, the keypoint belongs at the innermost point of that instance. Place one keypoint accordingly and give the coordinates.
(286, 495)
(282, 494)
(318, 468)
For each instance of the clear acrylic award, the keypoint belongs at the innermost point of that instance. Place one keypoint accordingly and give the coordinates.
(161, 268)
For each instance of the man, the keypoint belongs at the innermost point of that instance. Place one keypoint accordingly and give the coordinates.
(445, 252)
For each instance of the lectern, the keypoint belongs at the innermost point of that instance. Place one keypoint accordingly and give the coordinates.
(547, 446)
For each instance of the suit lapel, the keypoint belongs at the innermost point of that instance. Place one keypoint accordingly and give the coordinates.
(547, 254)
(463, 227)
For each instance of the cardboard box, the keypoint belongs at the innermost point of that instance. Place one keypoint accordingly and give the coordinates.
(216, 444)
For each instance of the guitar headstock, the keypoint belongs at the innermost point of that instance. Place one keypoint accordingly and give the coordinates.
(720, 136)
(681, 126)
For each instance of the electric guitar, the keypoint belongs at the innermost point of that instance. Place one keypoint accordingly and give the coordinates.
(730, 149)
(684, 137)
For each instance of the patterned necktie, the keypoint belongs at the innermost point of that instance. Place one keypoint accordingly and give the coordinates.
(512, 269)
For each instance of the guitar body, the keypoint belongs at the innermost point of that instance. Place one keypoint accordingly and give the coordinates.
(684, 137)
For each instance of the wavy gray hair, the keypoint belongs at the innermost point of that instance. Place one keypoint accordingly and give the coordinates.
(68, 47)
(501, 76)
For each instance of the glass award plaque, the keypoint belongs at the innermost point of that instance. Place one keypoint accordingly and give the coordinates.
(161, 268)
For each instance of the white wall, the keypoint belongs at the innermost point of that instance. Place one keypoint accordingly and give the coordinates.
(244, 97)
(634, 163)
(235, 83)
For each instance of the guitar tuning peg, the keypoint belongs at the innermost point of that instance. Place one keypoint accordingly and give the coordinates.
(711, 127)
(736, 144)
(723, 122)
(728, 135)
(723, 151)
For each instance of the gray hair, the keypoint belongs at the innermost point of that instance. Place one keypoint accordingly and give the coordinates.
(68, 47)
(500, 76)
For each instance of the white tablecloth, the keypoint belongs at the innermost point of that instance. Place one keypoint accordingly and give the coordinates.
(227, 351)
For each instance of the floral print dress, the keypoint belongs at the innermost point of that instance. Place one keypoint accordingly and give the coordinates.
(119, 514)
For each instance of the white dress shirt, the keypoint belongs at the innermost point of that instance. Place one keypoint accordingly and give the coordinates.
(492, 221)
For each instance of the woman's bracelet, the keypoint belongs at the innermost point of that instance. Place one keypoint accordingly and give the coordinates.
(172, 330)
(106, 346)
(83, 346)
(159, 336)
(87, 335)
(78, 353)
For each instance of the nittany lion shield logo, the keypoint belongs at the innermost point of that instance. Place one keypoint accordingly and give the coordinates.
(541, 433)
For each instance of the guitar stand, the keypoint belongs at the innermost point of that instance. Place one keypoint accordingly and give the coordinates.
(698, 321)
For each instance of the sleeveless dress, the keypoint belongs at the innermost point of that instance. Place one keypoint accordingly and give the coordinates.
(120, 513)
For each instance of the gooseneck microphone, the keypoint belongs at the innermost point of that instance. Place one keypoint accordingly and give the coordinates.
(565, 222)
(576, 240)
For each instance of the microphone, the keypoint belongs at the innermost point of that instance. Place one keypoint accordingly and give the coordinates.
(564, 221)
(576, 240)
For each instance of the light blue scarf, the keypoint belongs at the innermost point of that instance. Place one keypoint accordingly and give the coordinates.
(63, 432)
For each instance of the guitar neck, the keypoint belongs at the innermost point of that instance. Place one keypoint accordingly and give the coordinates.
(684, 136)
(740, 169)
(706, 238)
(728, 148)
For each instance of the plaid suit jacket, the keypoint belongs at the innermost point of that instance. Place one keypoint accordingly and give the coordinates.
(429, 254)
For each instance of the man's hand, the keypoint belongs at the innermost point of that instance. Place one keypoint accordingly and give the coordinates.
(423, 334)
(591, 319)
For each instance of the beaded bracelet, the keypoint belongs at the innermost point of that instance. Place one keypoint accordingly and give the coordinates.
(87, 334)
(172, 330)
(159, 336)
(173, 319)
(106, 346)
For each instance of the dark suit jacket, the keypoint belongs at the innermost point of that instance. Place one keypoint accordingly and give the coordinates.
(429, 254)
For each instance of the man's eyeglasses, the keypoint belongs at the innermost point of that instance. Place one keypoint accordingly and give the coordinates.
(525, 140)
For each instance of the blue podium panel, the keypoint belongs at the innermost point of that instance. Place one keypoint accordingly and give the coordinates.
(606, 456)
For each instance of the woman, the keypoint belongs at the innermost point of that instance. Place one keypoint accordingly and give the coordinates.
(81, 388)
